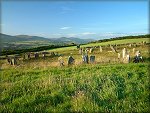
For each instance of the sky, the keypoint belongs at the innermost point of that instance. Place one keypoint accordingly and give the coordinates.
(88, 19)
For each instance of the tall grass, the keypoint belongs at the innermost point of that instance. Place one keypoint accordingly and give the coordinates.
(85, 88)
(40, 85)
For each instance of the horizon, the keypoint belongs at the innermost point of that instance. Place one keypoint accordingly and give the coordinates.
(74, 37)
(86, 20)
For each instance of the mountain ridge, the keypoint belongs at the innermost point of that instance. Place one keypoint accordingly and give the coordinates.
(8, 38)
(27, 41)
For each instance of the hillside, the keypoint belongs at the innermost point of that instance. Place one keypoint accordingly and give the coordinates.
(123, 37)
(107, 85)
(74, 40)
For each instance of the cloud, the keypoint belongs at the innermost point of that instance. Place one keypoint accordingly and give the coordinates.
(88, 33)
(118, 34)
(64, 28)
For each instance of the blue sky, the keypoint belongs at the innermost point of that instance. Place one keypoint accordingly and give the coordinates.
(97, 19)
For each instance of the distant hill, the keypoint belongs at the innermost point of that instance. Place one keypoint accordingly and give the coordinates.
(18, 38)
(74, 40)
(33, 38)
(26, 41)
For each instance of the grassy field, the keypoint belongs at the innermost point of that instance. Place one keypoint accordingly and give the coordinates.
(138, 40)
(87, 88)
(107, 85)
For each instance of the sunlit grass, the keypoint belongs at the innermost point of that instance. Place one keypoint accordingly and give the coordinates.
(124, 41)
(41, 85)
(87, 88)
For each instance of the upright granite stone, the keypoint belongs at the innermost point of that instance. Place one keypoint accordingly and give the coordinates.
(8, 59)
(133, 50)
(119, 56)
(36, 55)
(60, 60)
(123, 53)
(52, 54)
(112, 48)
(126, 59)
(80, 51)
(70, 60)
(85, 58)
(91, 50)
(29, 55)
(100, 48)
(92, 58)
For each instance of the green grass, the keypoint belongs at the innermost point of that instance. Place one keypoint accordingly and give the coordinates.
(124, 41)
(87, 88)
(42, 86)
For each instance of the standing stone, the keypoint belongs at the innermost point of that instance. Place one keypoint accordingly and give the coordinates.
(36, 55)
(92, 58)
(56, 54)
(29, 55)
(130, 45)
(44, 54)
(12, 61)
(100, 48)
(15, 61)
(91, 50)
(80, 51)
(112, 48)
(119, 56)
(85, 58)
(25, 56)
(60, 60)
(70, 60)
(86, 51)
(8, 59)
(52, 54)
(142, 43)
(123, 53)
(133, 50)
(137, 53)
(127, 59)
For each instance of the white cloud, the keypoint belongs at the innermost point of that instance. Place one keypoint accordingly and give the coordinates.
(64, 28)
(112, 34)
(88, 33)
(118, 34)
